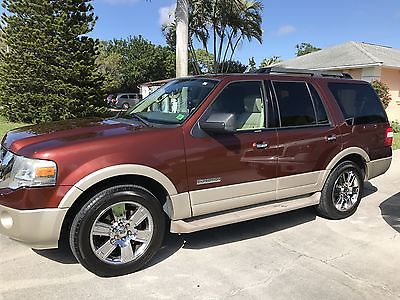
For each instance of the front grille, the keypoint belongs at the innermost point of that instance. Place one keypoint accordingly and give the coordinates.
(3, 152)
(6, 163)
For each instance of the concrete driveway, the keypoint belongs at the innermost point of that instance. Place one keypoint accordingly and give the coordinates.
(290, 256)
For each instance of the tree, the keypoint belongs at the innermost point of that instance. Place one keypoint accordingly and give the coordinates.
(225, 24)
(252, 64)
(3, 45)
(305, 48)
(49, 72)
(383, 92)
(126, 63)
(270, 61)
(111, 68)
(220, 26)
(204, 61)
(234, 66)
(182, 36)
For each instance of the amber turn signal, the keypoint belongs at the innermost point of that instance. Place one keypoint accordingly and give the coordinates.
(45, 172)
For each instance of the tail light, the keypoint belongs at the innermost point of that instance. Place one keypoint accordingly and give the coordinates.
(389, 137)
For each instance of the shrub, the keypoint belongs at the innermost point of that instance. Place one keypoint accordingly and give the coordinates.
(49, 72)
(396, 126)
(383, 92)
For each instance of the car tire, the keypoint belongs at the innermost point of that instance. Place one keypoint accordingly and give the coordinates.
(125, 106)
(342, 192)
(118, 230)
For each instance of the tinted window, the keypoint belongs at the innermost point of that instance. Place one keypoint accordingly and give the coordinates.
(244, 100)
(322, 117)
(358, 101)
(295, 105)
(123, 97)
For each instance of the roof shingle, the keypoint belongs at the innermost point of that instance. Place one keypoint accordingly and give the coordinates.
(348, 55)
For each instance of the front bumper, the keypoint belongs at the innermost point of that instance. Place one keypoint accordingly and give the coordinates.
(38, 228)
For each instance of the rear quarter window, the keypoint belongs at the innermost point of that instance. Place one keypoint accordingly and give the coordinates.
(358, 102)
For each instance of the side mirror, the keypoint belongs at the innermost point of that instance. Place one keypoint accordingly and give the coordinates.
(219, 123)
(350, 121)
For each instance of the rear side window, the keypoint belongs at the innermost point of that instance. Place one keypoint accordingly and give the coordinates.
(358, 102)
(322, 117)
(295, 104)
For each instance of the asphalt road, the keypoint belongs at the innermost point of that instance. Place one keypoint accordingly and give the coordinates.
(295, 255)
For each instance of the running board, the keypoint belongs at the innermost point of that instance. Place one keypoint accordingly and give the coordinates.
(243, 214)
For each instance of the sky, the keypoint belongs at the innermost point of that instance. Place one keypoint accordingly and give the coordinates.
(285, 23)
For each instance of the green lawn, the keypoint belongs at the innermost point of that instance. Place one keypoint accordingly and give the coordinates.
(6, 126)
(396, 141)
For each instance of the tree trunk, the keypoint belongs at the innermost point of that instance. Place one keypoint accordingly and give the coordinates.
(182, 37)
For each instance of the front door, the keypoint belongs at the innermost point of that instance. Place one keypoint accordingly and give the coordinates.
(227, 171)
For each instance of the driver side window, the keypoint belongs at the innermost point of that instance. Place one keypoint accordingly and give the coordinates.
(243, 99)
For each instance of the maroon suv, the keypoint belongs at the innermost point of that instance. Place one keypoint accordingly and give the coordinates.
(200, 152)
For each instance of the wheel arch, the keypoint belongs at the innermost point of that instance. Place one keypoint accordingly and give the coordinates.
(151, 179)
(354, 154)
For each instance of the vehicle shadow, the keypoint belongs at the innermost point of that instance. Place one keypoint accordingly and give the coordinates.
(62, 254)
(369, 189)
(390, 211)
(233, 233)
(207, 238)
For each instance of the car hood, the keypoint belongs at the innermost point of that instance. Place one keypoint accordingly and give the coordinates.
(32, 139)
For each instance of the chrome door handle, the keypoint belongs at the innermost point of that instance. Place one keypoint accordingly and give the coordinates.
(261, 146)
(331, 138)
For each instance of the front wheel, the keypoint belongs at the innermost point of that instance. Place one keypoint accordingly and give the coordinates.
(118, 231)
(342, 192)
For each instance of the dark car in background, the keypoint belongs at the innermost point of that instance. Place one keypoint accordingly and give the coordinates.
(126, 100)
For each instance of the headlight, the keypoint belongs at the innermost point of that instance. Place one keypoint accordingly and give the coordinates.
(17, 171)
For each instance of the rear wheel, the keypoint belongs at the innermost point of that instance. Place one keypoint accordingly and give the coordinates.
(342, 192)
(118, 231)
(125, 106)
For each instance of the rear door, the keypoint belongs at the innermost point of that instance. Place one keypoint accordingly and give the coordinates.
(122, 99)
(307, 138)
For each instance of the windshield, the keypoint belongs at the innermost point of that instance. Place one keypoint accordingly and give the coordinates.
(174, 102)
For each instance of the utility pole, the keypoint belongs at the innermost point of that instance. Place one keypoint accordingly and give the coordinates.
(182, 37)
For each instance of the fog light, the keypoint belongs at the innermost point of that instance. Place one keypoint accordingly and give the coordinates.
(6, 220)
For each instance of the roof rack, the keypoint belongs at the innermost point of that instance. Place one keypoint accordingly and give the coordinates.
(277, 70)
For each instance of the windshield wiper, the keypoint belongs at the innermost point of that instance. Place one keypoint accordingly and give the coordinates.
(136, 116)
(141, 119)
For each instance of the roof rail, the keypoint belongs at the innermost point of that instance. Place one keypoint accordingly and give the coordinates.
(277, 70)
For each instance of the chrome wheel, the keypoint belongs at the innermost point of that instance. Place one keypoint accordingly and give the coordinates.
(346, 191)
(122, 233)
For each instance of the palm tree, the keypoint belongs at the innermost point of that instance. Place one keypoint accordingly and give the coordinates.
(221, 25)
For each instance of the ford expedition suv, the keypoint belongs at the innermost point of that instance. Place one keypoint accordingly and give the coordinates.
(198, 153)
